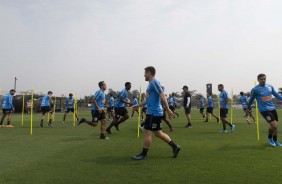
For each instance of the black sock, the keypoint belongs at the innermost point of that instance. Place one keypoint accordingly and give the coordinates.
(144, 152)
(50, 120)
(173, 145)
(142, 124)
(8, 123)
(42, 121)
(224, 127)
(275, 137)
(102, 135)
(270, 136)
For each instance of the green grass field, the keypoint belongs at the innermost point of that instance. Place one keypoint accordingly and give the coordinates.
(67, 154)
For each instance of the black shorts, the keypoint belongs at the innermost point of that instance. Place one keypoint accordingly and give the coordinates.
(45, 109)
(7, 111)
(144, 109)
(69, 110)
(153, 123)
(110, 109)
(223, 113)
(188, 110)
(121, 111)
(210, 110)
(270, 116)
(172, 108)
(202, 110)
(96, 116)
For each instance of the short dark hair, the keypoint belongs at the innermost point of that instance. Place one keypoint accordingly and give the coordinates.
(100, 84)
(70, 94)
(111, 94)
(127, 83)
(12, 90)
(241, 93)
(50, 92)
(220, 85)
(151, 69)
(210, 93)
(261, 75)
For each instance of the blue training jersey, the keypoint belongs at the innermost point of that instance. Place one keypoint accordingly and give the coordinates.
(223, 98)
(7, 101)
(263, 95)
(112, 102)
(244, 101)
(135, 101)
(70, 103)
(122, 95)
(210, 102)
(153, 98)
(45, 101)
(202, 103)
(170, 101)
(100, 98)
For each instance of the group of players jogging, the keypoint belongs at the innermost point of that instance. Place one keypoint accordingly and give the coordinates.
(156, 105)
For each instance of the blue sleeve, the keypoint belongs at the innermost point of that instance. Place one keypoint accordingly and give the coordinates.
(157, 87)
(123, 95)
(253, 95)
(11, 102)
(97, 95)
(226, 96)
(279, 97)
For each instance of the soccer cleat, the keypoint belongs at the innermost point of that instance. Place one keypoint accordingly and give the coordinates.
(103, 137)
(271, 142)
(171, 129)
(2, 126)
(277, 143)
(50, 125)
(139, 157)
(223, 131)
(116, 127)
(10, 126)
(233, 128)
(176, 151)
(108, 131)
(82, 120)
(142, 128)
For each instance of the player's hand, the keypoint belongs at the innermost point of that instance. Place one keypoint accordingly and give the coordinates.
(170, 114)
(100, 111)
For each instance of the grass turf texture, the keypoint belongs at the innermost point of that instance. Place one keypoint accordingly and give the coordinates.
(67, 154)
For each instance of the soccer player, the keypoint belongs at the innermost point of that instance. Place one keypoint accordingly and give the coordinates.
(210, 108)
(98, 113)
(164, 118)
(144, 108)
(111, 105)
(70, 107)
(244, 101)
(202, 107)
(224, 109)
(7, 108)
(153, 124)
(121, 111)
(135, 102)
(172, 103)
(46, 107)
(187, 105)
(263, 94)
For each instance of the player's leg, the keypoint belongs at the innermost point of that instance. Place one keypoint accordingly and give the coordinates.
(43, 112)
(224, 120)
(124, 117)
(247, 116)
(92, 123)
(274, 127)
(9, 119)
(52, 113)
(133, 111)
(2, 119)
(115, 120)
(103, 125)
(217, 118)
(167, 122)
(188, 116)
(65, 115)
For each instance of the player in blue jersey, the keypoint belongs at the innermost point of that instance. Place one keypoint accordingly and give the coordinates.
(7, 108)
(46, 107)
(153, 125)
(121, 111)
(202, 107)
(98, 112)
(210, 108)
(263, 94)
(111, 106)
(70, 107)
(172, 103)
(224, 100)
(243, 99)
(134, 102)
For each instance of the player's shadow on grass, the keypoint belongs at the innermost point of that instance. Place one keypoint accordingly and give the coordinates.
(113, 160)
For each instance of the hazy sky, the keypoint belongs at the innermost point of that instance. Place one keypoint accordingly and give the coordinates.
(70, 45)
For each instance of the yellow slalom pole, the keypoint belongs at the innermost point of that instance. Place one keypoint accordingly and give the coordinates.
(257, 117)
(219, 110)
(54, 113)
(232, 103)
(74, 110)
(31, 111)
(139, 110)
(23, 112)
